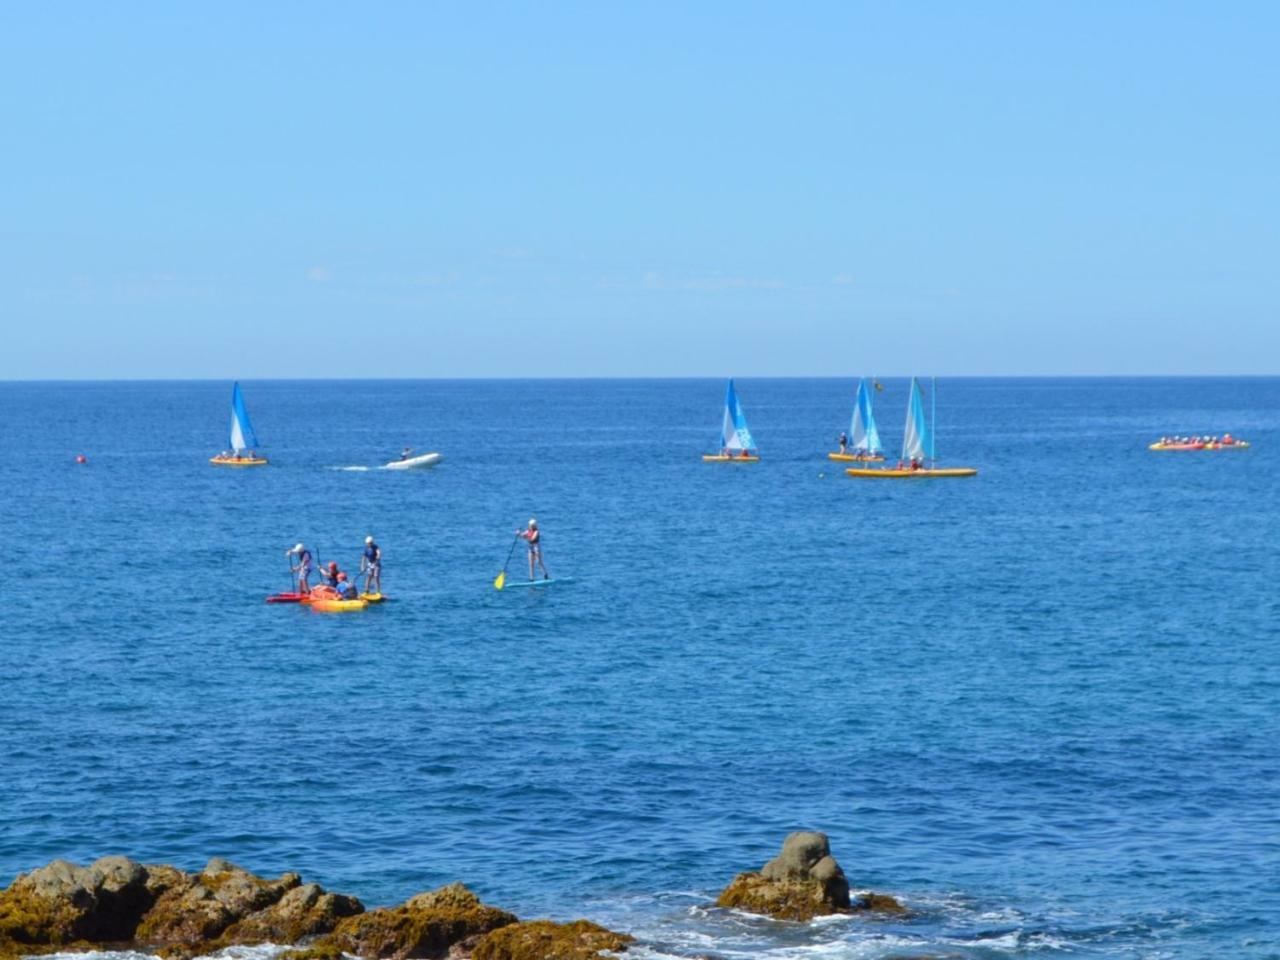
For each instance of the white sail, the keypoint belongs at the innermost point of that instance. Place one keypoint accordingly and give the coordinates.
(915, 436)
(865, 436)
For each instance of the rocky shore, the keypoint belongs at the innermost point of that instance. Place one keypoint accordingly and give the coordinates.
(117, 903)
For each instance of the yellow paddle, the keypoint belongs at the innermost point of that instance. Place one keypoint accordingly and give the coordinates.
(500, 580)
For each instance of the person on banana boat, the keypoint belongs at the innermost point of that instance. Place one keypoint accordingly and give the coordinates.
(329, 574)
(404, 454)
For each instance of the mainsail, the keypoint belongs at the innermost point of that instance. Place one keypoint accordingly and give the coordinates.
(734, 434)
(866, 439)
(242, 437)
(915, 436)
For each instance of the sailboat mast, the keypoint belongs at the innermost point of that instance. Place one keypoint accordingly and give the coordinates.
(933, 415)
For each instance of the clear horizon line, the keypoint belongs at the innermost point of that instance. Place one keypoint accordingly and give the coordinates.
(641, 377)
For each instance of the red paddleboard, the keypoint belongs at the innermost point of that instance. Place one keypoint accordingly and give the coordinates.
(288, 598)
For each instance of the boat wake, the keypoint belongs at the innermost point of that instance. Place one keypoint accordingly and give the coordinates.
(352, 469)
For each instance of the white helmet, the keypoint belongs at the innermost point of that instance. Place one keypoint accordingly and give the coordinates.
(298, 548)
(533, 521)
(368, 539)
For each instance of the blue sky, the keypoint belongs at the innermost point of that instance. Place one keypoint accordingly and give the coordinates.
(599, 189)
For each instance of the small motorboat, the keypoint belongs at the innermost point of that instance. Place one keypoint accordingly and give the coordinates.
(413, 463)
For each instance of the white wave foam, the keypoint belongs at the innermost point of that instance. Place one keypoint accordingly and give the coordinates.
(351, 469)
(266, 951)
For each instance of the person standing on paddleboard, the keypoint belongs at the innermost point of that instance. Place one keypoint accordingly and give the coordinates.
(303, 569)
(371, 563)
(534, 536)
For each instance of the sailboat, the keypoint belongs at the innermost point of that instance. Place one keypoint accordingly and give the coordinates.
(917, 448)
(736, 444)
(243, 440)
(864, 445)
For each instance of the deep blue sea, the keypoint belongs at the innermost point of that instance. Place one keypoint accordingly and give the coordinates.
(1041, 706)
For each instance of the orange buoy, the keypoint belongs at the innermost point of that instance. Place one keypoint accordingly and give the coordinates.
(81, 458)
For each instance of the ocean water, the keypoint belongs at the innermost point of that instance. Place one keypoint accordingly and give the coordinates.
(1041, 706)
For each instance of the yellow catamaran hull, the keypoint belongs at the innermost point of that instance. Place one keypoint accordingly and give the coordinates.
(921, 474)
(855, 458)
(238, 462)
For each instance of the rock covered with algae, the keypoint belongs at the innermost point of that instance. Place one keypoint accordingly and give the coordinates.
(804, 881)
(428, 926)
(544, 940)
(117, 901)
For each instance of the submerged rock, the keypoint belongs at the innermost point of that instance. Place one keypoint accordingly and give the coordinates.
(544, 940)
(804, 881)
(426, 926)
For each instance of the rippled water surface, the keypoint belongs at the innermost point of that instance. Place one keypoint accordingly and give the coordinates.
(1041, 706)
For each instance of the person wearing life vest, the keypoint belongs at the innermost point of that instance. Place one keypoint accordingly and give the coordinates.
(329, 573)
(534, 537)
(302, 570)
(371, 566)
(346, 588)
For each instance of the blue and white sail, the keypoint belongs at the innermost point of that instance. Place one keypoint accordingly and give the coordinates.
(734, 434)
(863, 432)
(916, 444)
(242, 436)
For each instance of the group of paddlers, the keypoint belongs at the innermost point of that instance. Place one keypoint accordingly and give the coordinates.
(1226, 440)
(302, 562)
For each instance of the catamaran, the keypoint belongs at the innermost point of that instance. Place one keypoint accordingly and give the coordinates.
(736, 444)
(917, 447)
(243, 440)
(864, 438)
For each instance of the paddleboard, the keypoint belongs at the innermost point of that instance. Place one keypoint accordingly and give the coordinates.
(536, 583)
(288, 598)
(373, 597)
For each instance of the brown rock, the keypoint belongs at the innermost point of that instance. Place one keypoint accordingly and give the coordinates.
(544, 940)
(804, 881)
(194, 910)
(304, 911)
(425, 926)
(62, 903)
